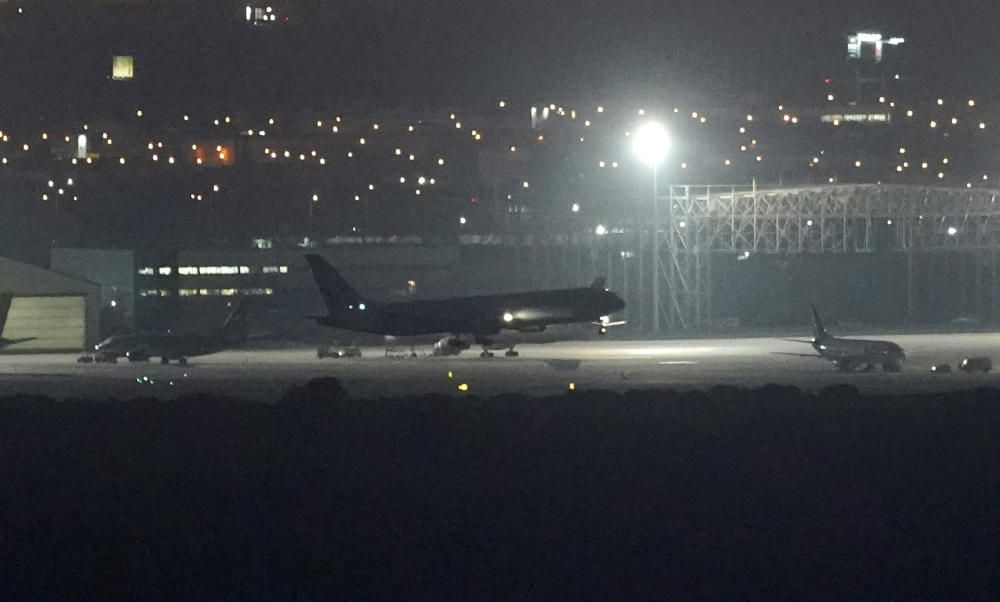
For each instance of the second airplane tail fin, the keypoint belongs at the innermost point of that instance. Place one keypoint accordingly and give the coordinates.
(818, 330)
(337, 293)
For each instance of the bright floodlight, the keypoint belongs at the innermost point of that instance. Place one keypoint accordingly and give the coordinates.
(651, 143)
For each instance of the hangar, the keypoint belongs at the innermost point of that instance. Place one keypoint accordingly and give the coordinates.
(59, 312)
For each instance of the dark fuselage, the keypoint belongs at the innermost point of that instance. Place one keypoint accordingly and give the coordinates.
(851, 353)
(479, 315)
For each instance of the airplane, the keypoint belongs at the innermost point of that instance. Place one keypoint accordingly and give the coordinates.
(851, 354)
(485, 317)
(174, 346)
(5, 301)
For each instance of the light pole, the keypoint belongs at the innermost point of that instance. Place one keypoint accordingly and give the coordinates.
(650, 144)
(312, 208)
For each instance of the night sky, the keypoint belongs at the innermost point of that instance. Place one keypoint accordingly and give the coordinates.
(396, 53)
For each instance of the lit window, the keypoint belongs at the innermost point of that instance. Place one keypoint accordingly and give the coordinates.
(165, 271)
(146, 271)
(122, 67)
(187, 270)
(217, 270)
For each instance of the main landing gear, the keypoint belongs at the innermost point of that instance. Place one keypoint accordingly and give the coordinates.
(486, 353)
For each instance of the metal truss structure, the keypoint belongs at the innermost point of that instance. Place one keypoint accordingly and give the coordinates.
(699, 222)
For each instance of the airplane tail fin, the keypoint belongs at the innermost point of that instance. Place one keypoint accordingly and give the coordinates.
(5, 300)
(599, 283)
(337, 293)
(819, 331)
(234, 329)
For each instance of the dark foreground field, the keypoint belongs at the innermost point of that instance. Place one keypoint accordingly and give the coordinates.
(769, 493)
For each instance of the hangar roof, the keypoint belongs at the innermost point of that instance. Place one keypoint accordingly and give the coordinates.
(25, 279)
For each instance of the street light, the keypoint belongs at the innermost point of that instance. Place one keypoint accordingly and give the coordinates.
(650, 144)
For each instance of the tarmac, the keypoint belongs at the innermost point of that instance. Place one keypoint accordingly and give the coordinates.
(264, 375)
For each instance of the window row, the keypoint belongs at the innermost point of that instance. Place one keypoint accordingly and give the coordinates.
(212, 270)
(207, 292)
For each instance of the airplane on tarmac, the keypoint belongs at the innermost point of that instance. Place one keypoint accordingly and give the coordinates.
(849, 355)
(488, 319)
(5, 301)
(174, 346)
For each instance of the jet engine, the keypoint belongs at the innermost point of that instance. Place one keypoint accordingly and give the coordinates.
(137, 355)
(450, 346)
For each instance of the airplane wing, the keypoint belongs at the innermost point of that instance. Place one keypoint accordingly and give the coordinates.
(606, 322)
(540, 314)
(797, 341)
(812, 355)
(8, 342)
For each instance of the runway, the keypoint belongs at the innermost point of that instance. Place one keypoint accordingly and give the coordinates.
(264, 375)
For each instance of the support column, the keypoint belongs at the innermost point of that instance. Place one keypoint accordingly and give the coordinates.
(656, 256)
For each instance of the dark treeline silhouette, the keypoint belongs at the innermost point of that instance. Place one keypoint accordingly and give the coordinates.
(727, 494)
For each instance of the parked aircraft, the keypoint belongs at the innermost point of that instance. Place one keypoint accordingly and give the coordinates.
(5, 301)
(851, 355)
(175, 346)
(486, 319)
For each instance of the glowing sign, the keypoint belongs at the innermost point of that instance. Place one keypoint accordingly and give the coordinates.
(122, 67)
(837, 118)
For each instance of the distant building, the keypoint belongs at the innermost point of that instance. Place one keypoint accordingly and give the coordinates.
(875, 64)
